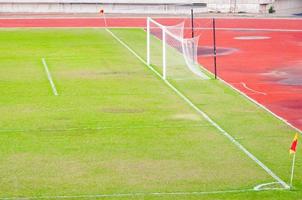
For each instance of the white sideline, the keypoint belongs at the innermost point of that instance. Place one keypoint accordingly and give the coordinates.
(250, 89)
(250, 155)
(54, 90)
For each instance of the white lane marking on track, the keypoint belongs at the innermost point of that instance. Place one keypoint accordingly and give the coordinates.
(250, 89)
(252, 38)
(54, 90)
(256, 29)
(222, 131)
(139, 27)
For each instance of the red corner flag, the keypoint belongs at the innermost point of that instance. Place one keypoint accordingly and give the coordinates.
(101, 11)
(294, 145)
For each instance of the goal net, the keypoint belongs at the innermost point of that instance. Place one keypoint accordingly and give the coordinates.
(174, 56)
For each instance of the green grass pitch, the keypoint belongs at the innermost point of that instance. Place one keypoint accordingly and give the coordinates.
(117, 128)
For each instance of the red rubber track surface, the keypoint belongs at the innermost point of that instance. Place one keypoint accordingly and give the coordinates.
(267, 70)
(141, 22)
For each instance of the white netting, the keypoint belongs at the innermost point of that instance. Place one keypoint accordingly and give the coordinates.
(190, 52)
(174, 56)
(155, 45)
(176, 30)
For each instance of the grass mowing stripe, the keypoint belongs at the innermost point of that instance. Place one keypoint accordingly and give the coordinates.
(221, 130)
(100, 128)
(54, 90)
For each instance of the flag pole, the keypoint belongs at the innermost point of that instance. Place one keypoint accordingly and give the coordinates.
(104, 17)
(293, 150)
(192, 23)
(293, 169)
(214, 49)
(105, 20)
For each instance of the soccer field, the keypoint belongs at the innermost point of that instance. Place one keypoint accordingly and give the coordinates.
(117, 130)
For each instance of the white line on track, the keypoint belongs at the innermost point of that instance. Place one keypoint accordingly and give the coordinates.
(54, 90)
(221, 130)
(255, 29)
(250, 89)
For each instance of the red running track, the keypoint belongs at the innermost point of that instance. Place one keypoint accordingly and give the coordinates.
(294, 24)
(267, 69)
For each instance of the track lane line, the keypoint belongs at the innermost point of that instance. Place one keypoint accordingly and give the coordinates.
(250, 89)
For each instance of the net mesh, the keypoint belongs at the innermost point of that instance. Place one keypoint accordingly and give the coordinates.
(176, 30)
(190, 52)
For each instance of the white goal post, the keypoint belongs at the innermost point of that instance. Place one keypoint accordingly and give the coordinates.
(169, 50)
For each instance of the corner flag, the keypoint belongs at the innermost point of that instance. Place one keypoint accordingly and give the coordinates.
(293, 147)
(292, 150)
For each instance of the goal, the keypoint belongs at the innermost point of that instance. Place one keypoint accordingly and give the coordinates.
(175, 56)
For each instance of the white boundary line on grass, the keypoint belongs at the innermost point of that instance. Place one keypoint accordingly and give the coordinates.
(54, 90)
(250, 155)
(134, 194)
